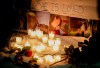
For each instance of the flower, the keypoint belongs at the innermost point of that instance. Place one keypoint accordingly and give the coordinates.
(28, 53)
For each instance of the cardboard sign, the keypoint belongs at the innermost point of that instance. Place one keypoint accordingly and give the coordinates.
(86, 9)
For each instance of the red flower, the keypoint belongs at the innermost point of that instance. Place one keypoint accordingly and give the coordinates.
(57, 32)
(28, 53)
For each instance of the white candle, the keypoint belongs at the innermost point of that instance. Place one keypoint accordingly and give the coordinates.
(29, 31)
(39, 33)
(55, 48)
(40, 48)
(18, 40)
(27, 44)
(50, 42)
(35, 56)
(57, 41)
(33, 34)
(49, 59)
(51, 35)
(57, 58)
(44, 39)
(34, 48)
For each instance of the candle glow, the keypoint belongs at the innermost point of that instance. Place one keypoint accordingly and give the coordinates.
(33, 34)
(57, 41)
(51, 35)
(29, 31)
(39, 33)
(27, 44)
(57, 58)
(49, 59)
(44, 39)
(18, 40)
(50, 42)
(55, 48)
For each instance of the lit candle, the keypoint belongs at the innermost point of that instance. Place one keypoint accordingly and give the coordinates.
(18, 40)
(49, 59)
(50, 42)
(40, 48)
(39, 33)
(33, 48)
(29, 31)
(33, 34)
(35, 56)
(27, 44)
(57, 41)
(55, 48)
(44, 39)
(51, 35)
(57, 58)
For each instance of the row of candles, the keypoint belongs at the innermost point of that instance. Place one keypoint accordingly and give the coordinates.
(39, 34)
(47, 58)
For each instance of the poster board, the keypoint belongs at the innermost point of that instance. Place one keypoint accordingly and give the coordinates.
(86, 9)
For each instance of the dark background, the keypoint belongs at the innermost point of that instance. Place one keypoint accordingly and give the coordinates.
(11, 11)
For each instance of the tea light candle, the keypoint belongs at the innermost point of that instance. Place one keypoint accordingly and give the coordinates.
(35, 56)
(51, 35)
(33, 48)
(18, 40)
(49, 59)
(40, 48)
(55, 48)
(57, 41)
(44, 39)
(50, 42)
(27, 44)
(39, 33)
(29, 31)
(33, 34)
(57, 58)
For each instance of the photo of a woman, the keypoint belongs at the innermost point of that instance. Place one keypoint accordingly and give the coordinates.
(58, 24)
